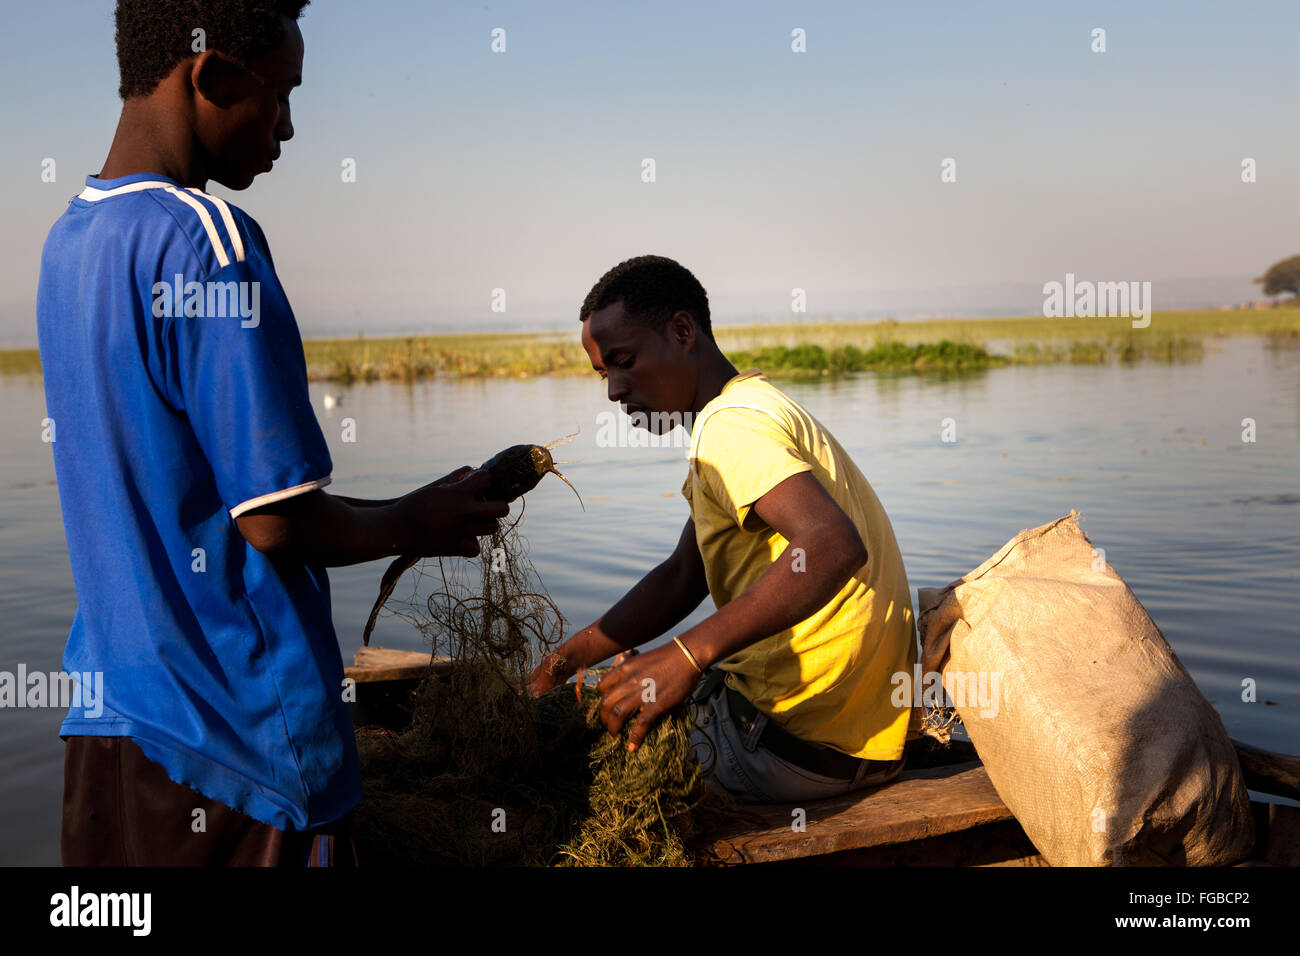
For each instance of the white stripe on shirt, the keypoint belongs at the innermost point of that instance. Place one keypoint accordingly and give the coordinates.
(235, 242)
(275, 496)
(223, 260)
(92, 194)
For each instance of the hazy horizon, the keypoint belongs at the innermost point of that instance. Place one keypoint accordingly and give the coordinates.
(902, 305)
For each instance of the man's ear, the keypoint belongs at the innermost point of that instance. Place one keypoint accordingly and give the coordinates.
(682, 330)
(220, 80)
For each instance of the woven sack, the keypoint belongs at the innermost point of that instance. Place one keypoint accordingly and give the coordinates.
(1097, 738)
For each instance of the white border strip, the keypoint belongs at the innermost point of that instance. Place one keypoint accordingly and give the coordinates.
(228, 219)
(91, 194)
(275, 496)
(223, 260)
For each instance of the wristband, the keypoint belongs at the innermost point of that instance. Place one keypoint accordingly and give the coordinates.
(689, 656)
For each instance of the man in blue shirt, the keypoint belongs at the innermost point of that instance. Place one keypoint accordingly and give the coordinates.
(190, 467)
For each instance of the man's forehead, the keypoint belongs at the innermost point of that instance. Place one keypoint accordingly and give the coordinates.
(286, 59)
(294, 44)
(610, 328)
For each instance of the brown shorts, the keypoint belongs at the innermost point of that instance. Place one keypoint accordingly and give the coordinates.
(121, 809)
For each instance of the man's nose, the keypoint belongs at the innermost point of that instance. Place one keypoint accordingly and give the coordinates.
(616, 390)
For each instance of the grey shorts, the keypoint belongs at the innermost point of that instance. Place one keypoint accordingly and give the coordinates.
(752, 773)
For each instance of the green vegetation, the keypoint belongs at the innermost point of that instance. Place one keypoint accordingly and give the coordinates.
(512, 355)
(1127, 348)
(798, 349)
(943, 356)
(998, 335)
(20, 362)
(817, 348)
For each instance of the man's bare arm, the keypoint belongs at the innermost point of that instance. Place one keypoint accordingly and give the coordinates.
(317, 528)
(368, 502)
(802, 512)
(656, 603)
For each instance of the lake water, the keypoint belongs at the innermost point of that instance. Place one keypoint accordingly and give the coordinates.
(1204, 527)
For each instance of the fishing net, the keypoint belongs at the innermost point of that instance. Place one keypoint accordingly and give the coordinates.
(486, 775)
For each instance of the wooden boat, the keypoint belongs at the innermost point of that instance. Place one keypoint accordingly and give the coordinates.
(941, 811)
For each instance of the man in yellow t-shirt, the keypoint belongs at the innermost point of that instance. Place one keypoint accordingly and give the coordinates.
(814, 614)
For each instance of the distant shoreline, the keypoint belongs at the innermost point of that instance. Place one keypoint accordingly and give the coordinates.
(794, 349)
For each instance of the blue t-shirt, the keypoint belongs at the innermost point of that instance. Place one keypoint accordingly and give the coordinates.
(175, 379)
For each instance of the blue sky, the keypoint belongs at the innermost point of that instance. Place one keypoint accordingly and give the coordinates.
(775, 170)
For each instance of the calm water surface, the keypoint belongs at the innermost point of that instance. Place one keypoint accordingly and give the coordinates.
(1203, 527)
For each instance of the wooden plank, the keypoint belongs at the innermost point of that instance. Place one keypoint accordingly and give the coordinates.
(1280, 845)
(918, 805)
(990, 844)
(381, 663)
(1268, 772)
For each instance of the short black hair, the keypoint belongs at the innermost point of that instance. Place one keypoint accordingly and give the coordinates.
(154, 35)
(652, 289)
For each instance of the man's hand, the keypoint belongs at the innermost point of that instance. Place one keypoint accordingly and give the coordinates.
(647, 685)
(446, 516)
(554, 670)
(659, 602)
(451, 478)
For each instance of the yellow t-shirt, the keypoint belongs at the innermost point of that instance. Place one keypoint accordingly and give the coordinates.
(827, 679)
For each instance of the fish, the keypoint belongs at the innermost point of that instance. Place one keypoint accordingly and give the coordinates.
(517, 470)
(513, 472)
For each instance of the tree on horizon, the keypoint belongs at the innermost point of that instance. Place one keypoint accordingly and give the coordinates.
(1282, 277)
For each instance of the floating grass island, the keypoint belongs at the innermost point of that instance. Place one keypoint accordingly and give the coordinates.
(804, 349)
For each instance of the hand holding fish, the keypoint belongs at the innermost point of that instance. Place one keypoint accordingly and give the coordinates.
(450, 514)
(447, 516)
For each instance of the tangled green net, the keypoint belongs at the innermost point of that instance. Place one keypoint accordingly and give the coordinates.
(486, 775)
